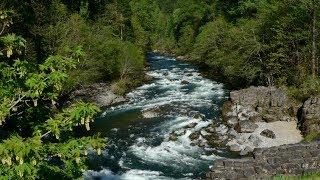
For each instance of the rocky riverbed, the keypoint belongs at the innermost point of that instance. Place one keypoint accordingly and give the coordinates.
(256, 117)
(176, 124)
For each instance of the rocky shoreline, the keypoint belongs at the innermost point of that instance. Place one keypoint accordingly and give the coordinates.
(253, 118)
(98, 93)
(294, 159)
(265, 118)
(102, 94)
(257, 118)
(260, 117)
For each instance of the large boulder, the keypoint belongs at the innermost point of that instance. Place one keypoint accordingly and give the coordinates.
(268, 133)
(194, 135)
(98, 93)
(310, 116)
(256, 104)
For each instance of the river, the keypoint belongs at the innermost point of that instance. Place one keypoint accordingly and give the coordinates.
(141, 145)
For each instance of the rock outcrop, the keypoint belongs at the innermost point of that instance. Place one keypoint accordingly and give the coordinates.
(310, 116)
(99, 93)
(259, 104)
(294, 159)
(253, 117)
(264, 121)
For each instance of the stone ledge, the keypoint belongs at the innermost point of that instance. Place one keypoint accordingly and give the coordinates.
(293, 159)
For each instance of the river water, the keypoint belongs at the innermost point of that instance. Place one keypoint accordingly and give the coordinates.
(139, 131)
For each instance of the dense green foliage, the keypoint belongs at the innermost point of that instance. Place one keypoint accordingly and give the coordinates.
(48, 48)
(249, 42)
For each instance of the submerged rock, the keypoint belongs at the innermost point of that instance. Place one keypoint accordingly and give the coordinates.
(192, 125)
(185, 82)
(194, 135)
(173, 137)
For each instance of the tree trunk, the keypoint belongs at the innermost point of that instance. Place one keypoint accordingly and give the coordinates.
(314, 45)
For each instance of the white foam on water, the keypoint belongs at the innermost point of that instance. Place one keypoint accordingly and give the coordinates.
(129, 175)
(169, 153)
(205, 90)
(175, 94)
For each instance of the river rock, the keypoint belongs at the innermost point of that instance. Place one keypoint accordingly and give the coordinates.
(201, 144)
(246, 150)
(194, 135)
(235, 148)
(210, 129)
(199, 116)
(255, 140)
(268, 133)
(246, 127)
(310, 116)
(99, 93)
(181, 132)
(184, 82)
(192, 125)
(267, 162)
(233, 121)
(221, 130)
(216, 140)
(149, 114)
(173, 137)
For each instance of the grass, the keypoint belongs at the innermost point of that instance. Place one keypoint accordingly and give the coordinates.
(312, 137)
(306, 176)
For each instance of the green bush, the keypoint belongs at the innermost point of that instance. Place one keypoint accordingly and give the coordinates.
(309, 88)
(312, 137)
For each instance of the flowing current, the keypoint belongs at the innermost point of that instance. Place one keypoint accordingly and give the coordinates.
(149, 135)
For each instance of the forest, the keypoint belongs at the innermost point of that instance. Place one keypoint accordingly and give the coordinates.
(48, 48)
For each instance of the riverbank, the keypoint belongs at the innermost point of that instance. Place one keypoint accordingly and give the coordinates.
(296, 160)
(182, 110)
(265, 120)
(105, 94)
(259, 117)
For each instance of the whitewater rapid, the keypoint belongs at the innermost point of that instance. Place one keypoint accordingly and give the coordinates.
(139, 130)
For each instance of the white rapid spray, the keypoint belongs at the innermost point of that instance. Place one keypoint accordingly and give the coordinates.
(176, 104)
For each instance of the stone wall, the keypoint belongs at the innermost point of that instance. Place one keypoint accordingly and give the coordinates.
(294, 159)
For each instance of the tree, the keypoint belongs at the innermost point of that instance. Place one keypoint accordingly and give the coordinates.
(32, 139)
(313, 10)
